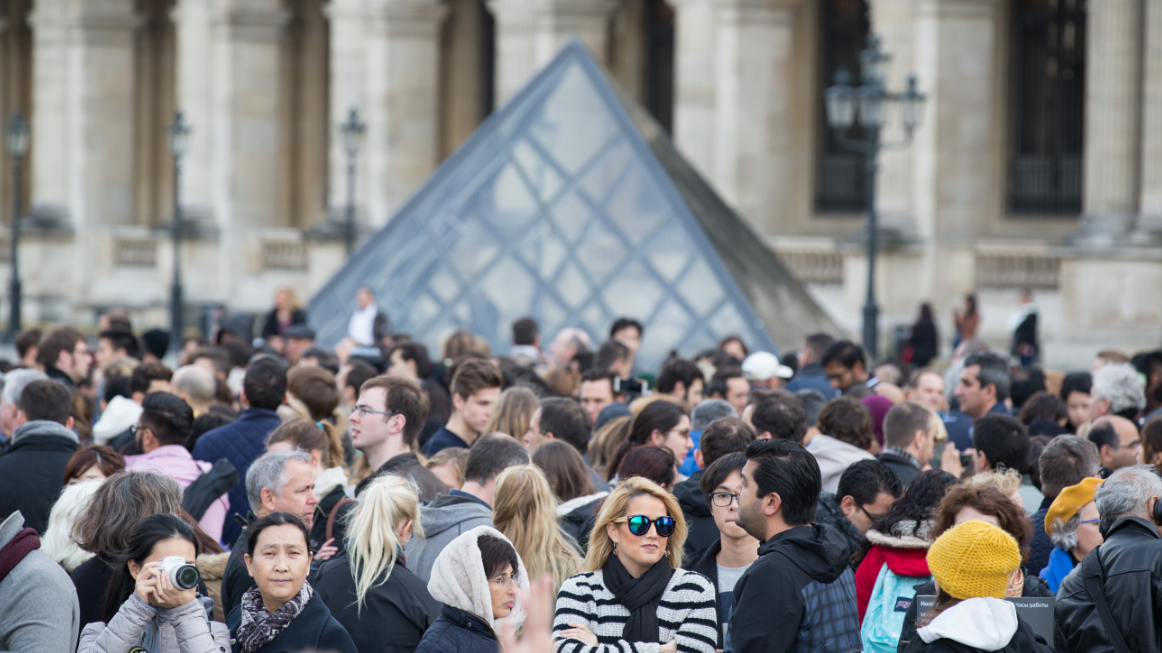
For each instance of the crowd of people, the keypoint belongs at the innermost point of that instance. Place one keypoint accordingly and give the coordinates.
(264, 494)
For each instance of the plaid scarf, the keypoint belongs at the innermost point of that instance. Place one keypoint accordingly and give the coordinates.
(258, 626)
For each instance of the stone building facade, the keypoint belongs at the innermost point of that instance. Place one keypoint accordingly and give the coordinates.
(1038, 161)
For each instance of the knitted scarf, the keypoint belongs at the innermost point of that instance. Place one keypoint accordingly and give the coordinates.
(258, 627)
(24, 543)
(641, 596)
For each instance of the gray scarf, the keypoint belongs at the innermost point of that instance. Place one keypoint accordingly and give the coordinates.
(258, 626)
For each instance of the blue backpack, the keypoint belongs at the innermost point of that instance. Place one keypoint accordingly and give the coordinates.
(889, 602)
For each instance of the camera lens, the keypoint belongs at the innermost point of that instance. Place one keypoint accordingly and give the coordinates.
(186, 577)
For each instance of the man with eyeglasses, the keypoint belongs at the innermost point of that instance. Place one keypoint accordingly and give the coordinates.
(64, 355)
(728, 558)
(867, 490)
(385, 426)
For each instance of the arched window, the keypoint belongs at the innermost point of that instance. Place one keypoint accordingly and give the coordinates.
(840, 179)
(1047, 101)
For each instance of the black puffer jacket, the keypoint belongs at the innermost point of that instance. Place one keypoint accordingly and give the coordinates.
(699, 520)
(457, 631)
(1132, 559)
(399, 605)
(407, 465)
(1023, 641)
(1035, 586)
(33, 471)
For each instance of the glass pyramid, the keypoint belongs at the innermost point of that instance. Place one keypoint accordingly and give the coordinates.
(570, 205)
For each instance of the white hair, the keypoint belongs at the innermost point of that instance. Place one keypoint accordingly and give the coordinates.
(269, 471)
(15, 382)
(57, 541)
(1064, 533)
(1121, 384)
(1127, 493)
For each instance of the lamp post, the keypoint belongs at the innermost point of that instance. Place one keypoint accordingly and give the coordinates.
(16, 140)
(871, 102)
(352, 130)
(179, 133)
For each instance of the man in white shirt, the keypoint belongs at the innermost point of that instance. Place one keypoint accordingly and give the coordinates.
(368, 325)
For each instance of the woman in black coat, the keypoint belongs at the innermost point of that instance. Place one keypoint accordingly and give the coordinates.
(924, 340)
(285, 314)
(282, 612)
(367, 587)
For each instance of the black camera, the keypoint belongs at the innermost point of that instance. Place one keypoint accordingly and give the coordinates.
(632, 389)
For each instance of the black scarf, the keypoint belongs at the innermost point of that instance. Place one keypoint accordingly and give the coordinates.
(641, 596)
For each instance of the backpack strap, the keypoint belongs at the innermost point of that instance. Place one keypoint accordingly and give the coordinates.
(1094, 577)
(334, 511)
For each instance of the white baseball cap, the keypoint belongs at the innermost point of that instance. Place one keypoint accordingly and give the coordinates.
(763, 365)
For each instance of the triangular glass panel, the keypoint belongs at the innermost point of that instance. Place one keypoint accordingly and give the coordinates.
(569, 204)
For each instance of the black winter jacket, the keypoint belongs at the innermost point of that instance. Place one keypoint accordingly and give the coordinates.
(1041, 547)
(1023, 641)
(827, 511)
(313, 629)
(1132, 559)
(707, 565)
(322, 511)
(799, 595)
(33, 471)
(400, 606)
(1034, 586)
(699, 520)
(457, 631)
(407, 465)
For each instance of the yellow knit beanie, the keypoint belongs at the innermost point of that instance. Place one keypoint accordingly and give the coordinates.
(974, 559)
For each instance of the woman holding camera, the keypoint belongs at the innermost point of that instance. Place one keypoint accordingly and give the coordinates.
(152, 601)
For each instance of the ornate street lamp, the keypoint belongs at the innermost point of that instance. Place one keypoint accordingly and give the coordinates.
(869, 105)
(179, 136)
(352, 130)
(16, 140)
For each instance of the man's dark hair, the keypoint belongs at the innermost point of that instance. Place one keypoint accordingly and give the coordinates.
(47, 400)
(360, 373)
(678, 369)
(902, 422)
(1076, 382)
(524, 331)
(717, 472)
(725, 435)
(785, 468)
(417, 352)
(567, 421)
(1025, 383)
(491, 455)
(1065, 461)
(1101, 435)
(1003, 439)
(265, 384)
(145, 374)
(473, 375)
(597, 374)
(718, 383)
(817, 344)
(122, 341)
(404, 397)
(218, 357)
(26, 340)
(780, 413)
(55, 341)
(168, 417)
(864, 480)
(239, 352)
(326, 360)
(849, 420)
(496, 555)
(609, 353)
(846, 353)
(117, 387)
(994, 371)
(625, 323)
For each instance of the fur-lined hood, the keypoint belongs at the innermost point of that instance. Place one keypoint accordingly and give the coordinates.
(901, 537)
(458, 579)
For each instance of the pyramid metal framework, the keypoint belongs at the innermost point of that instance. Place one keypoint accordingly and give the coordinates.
(570, 205)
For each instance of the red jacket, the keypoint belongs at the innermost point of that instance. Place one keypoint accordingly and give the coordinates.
(900, 560)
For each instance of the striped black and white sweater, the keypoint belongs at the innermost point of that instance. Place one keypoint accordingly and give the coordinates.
(686, 613)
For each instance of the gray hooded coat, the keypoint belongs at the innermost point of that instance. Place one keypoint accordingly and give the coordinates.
(444, 519)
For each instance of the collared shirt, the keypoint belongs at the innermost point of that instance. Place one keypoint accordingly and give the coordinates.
(361, 328)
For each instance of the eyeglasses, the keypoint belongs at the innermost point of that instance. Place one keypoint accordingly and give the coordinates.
(363, 411)
(1090, 521)
(505, 582)
(724, 499)
(640, 525)
(135, 429)
(873, 518)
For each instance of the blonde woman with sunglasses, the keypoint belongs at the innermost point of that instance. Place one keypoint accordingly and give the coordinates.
(634, 595)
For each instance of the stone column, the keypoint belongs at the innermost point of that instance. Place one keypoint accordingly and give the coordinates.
(83, 71)
(193, 24)
(752, 106)
(348, 86)
(1113, 114)
(245, 120)
(402, 86)
(529, 33)
(1150, 222)
(694, 82)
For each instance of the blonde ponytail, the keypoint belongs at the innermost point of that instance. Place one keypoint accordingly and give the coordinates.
(373, 542)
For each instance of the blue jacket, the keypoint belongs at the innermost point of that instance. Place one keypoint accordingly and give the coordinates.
(457, 631)
(812, 377)
(240, 442)
(313, 629)
(1060, 564)
(441, 440)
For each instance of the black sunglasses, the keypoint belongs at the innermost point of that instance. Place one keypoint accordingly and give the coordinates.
(640, 525)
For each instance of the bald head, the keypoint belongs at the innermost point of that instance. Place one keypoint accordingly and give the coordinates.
(196, 385)
(1118, 442)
